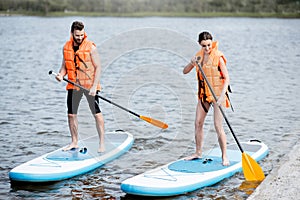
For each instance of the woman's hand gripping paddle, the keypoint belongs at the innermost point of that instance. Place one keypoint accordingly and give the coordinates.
(150, 120)
(252, 170)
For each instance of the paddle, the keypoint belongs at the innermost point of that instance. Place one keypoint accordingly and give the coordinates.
(150, 120)
(252, 171)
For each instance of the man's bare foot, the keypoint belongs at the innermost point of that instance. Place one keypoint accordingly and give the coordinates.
(225, 162)
(193, 157)
(71, 146)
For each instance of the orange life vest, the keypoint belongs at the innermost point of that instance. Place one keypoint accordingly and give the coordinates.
(80, 68)
(213, 74)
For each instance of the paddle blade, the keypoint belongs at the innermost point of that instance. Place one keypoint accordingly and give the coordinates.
(252, 170)
(154, 122)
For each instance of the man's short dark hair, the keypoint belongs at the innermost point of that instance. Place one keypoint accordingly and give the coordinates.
(77, 26)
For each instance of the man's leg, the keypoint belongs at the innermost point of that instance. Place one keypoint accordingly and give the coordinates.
(95, 109)
(100, 129)
(73, 127)
(73, 100)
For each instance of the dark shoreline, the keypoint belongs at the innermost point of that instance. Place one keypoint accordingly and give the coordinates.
(153, 14)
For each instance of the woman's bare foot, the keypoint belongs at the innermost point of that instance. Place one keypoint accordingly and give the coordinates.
(71, 146)
(225, 161)
(101, 149)
(193, 157)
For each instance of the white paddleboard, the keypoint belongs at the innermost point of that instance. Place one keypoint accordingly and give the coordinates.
(59, 164)
(183, 176)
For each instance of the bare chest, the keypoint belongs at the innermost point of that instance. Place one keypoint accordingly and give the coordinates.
(205, 59)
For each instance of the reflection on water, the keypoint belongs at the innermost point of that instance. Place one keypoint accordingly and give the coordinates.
(248, 186)
(142, 61)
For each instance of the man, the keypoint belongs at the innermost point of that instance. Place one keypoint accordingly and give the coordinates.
(81, 62)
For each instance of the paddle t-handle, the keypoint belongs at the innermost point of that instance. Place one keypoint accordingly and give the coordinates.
(51, 72)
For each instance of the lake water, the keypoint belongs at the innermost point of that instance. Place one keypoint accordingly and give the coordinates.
(142, 61)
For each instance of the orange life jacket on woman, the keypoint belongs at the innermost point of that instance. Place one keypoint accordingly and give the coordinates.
(213, 74)
(80, 68)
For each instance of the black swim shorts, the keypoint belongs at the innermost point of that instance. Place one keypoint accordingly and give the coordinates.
(74, 98)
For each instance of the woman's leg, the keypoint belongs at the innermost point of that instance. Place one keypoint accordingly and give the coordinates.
(218, 120)
(199, 134)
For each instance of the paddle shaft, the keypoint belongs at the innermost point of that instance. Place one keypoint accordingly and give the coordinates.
(101, 97)
(222, 111)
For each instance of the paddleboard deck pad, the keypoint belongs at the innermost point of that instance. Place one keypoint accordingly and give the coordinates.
(59, 165)
(184, 176)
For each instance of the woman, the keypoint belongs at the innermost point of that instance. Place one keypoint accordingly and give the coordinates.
(213, 64)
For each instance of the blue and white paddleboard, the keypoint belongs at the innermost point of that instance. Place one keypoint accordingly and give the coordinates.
(59, 164)
(183, 176)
